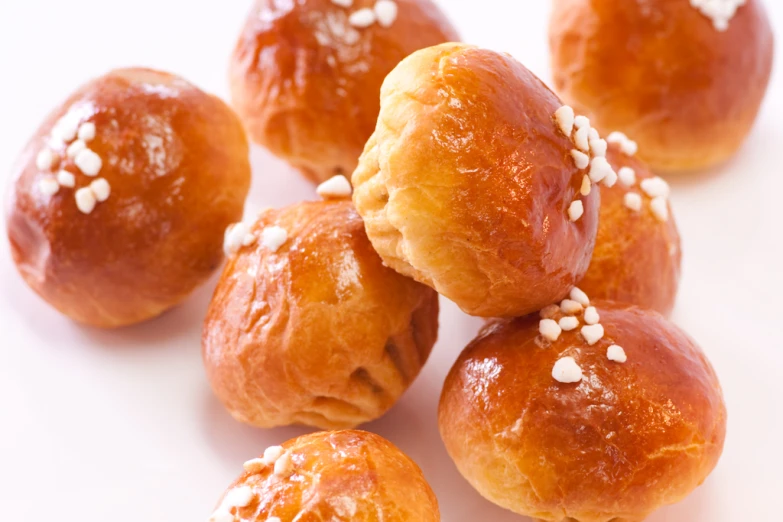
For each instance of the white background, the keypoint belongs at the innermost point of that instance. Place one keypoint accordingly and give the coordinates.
(121, 426)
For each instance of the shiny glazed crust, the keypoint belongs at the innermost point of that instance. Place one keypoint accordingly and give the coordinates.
(466, 183)
(350, 476)
(177, 162)
(306, 82)
(320, 332)
(659, 71)
(637, 258)
(626, 440)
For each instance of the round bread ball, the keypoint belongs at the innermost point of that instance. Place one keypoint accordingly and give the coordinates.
(339, 476)
(547, 425)
(637, 254)
(683, 81)
(468, 183)
(305, 76)
(120, 199)
(308, 327)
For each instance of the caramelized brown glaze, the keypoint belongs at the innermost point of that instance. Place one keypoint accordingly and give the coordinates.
(177, 162)
(343, 476)
(626, 440)
(320, 332)
(306, 82)
(659, 71)
(637, 257)
(467, 181)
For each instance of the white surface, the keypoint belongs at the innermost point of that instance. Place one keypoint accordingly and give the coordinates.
(121, 426)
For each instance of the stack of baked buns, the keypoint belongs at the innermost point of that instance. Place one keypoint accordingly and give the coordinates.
(578, 401)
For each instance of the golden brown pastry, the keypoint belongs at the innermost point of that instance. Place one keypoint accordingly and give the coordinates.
(470, 182)
(598, 415)
(305, 75)
(341, 476)
(308, 327)
(122, 196)
(685, 79)
(637, 253)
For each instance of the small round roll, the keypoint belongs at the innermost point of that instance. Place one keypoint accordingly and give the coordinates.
(684, 79)
(308, 327)
(469, 184)
(342, 476)
(637, 254)
(121, 197)
(608, 418)
(305, 75)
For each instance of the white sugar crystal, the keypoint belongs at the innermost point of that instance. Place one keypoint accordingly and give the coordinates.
(48, 186)
(66, 179)
(587, 186)
(565, 119)
(237, 236)
(617, 137)
(101, 188)
(568, 323)
(88, 162)
(255, 465)
(610, 180)
(581, 160)
(85, 200)
(75, 148)
(580, 122)
(579, 296)
(592, 333)
(386, 12)
(336, 187)
(599, 169)
(660, 208)
(598, 147)
(576, 210)
(633, 201)
(593, 134)
(616, 353)
(582, 139)
(362, 18)
(655, 187)
(567, 371)
(274, 237)
(549, 329)
(272, 453)
(343, 3)
(549, 312)
(66, 128)
(629, 147)
(570, 307)
(284, 466)
(627, 176)
(238, 497)
(591, 315)
(45, 160)
(86, 131)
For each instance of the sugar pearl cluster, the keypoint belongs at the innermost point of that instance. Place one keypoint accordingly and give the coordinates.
(240, 235)
(337, 187)
(656, 189)
(573, 313)
(589, 154)
(719, 11)
(384, 13)
(275, 458)
(75, 134)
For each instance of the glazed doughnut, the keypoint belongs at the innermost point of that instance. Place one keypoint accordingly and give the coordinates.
(598, 415)
(685, 79)
(308, 327)
(472, 182)
(343, 476)
(121, 197)
(637, 252)
(305, 75)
